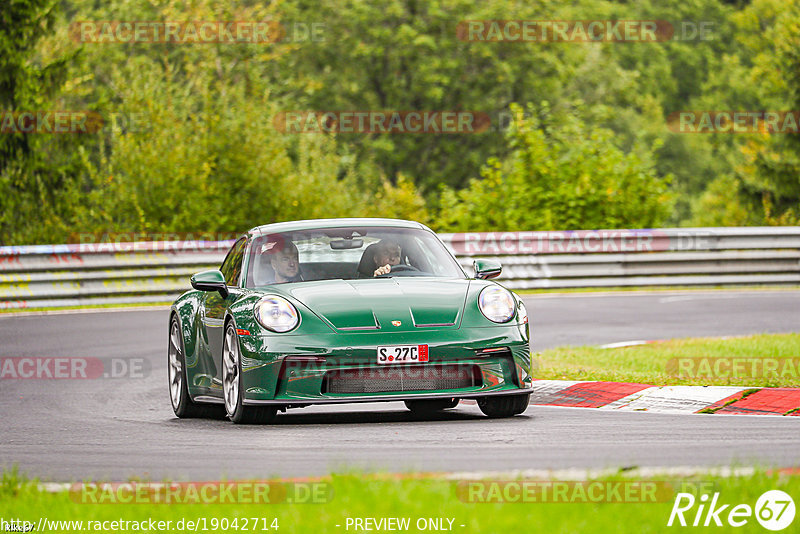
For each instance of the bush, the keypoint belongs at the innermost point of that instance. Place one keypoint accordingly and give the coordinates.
(559, 175)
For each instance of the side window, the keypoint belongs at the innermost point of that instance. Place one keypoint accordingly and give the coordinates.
(232, 266)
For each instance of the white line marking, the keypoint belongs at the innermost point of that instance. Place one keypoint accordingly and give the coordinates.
(632, 343)
(634, 413)
(550, 387)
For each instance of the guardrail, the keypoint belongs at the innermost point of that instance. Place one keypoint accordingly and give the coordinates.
(638, 258)
(113, 273)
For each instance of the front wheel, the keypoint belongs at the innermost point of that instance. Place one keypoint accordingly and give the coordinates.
(232, 385)
(182, 404)
(505, 406)
(428, 406)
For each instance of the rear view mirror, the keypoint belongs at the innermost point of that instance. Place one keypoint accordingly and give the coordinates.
(345, 244)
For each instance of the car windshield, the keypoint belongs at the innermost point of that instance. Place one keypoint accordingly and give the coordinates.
(348, 253)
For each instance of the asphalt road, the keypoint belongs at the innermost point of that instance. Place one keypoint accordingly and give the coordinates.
(597, 318)
(116, 428)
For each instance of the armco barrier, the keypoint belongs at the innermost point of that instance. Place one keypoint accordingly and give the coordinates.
(109, 273)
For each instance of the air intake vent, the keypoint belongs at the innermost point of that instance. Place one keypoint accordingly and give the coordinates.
(411, 378)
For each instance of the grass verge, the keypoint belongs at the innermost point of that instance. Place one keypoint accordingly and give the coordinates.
(764, 360)
(456, 506)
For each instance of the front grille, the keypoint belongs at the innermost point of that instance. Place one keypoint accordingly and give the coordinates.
(396, 378)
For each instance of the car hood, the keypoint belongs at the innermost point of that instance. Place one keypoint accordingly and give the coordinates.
(372, 304)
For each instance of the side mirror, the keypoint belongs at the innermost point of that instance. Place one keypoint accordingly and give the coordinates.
(485, 269)
(210, 281)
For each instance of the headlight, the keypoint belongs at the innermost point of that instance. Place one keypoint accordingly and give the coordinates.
(277, 314)
(496, 304)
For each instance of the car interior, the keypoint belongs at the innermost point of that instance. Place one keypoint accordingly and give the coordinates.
(261, 273)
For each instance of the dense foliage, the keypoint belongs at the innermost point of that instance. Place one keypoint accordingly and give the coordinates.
(579, 136)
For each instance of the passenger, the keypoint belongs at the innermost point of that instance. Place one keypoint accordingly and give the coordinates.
(284, 259)
(387, 253)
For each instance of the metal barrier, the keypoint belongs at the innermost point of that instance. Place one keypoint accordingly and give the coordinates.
(112, 273)
(638, 258)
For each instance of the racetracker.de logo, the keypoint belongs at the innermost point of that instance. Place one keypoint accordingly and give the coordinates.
(577, 241)
(50, 122)
(580, 491)
(734, 121)
(196, 32)
(583, 31)
(72, 368)
(203, 492)
(203, 242)
(734, 367)
(382, 122)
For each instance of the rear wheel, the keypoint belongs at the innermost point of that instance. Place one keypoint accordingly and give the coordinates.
(425, 406)
(505, 406)
(232, 385)
(182, 404)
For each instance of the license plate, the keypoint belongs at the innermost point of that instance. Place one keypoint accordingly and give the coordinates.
(391, 354)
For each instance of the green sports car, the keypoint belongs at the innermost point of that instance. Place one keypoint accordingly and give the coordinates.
(346, 310)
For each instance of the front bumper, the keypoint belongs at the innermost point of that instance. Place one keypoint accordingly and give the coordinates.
(386, 398)
(295, 371)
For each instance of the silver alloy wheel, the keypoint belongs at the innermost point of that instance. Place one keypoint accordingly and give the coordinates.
(230, 371)
(175, 366)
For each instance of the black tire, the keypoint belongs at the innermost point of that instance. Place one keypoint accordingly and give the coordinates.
(428, 406)
(505, 406)
(254, 415)
(237, 412)
(185, 407)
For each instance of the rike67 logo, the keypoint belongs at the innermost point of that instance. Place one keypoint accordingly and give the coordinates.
(774, 510)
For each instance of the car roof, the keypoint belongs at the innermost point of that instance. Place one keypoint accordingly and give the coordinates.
(314, 224)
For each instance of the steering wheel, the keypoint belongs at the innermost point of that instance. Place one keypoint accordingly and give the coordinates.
(401, 267)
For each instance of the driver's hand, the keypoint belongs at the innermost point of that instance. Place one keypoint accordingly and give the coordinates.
(386, 269)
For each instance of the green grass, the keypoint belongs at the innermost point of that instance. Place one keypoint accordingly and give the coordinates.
(363, 496)
(651, 364)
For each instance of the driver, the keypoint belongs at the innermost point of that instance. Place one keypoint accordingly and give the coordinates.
(387, 253)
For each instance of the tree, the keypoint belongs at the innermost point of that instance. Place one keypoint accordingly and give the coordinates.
(38, 177)
(764, 181)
